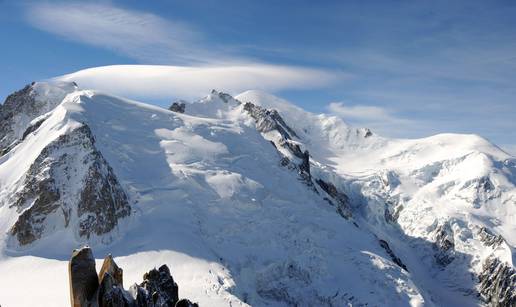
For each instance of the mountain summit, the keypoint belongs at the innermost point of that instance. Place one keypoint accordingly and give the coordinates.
(251, 201)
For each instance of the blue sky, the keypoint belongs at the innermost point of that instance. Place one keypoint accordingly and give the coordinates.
(402, 68)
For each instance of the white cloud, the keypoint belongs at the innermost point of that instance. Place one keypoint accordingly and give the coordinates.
(138, 35)
(158, 82)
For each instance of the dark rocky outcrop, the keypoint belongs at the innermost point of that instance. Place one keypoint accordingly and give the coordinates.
(489, 238)
(225, 97)
(83, 278)
(444, 245)
(341, 200)
(186, 303)
(392, 211)
(30, 223)
(111, 294)
(162, 287)
(391, 254)
(109, 267)
(304, 166)
(102, 201)
(497, 283)
(269, 120)
(33, 127)
(304, 157)
(21, 101)
(86, 289)
(178, 107)
(93, 205)
(484, 190)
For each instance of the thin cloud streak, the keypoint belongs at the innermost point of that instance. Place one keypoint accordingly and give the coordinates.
(142, 36)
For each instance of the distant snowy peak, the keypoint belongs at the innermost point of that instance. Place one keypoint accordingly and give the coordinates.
(23, 106)
(215, 105)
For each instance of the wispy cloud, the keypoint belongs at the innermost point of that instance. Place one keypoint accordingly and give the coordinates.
(139, 35)
(152, 39)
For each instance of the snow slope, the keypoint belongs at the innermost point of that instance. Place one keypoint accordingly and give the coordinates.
(212, 197)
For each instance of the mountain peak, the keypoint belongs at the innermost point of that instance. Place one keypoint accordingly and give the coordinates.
(254, 199)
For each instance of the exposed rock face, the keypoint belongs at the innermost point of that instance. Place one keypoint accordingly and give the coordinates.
(71, 181)
(112, 294)
(103, 201)
(178, 107)
(489, 238)
(162, 287)
(33, 127)
(83, 278)
(18, 102)
(498, 283)
(341, 199)
(86, 289)
(481, 190)
(186, 303)
(391, 254)
(444, 245)
(269, 120)
(223, 96)
(109, 267)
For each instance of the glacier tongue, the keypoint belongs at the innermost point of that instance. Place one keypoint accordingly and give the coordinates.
(246, 197)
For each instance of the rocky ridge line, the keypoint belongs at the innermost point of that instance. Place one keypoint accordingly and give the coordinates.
(497, 283)
(270, 120)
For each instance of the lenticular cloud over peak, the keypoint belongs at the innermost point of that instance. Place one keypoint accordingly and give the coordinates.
(159, 81)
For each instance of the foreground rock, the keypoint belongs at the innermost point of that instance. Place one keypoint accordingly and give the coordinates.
(83, 278)
(158, 288)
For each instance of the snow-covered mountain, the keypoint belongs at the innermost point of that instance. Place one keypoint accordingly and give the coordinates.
(250, 200)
